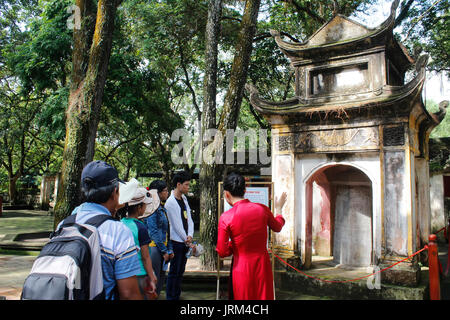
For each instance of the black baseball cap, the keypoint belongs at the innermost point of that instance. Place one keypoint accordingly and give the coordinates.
(98, 174)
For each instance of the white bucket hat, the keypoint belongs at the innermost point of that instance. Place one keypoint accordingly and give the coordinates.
(149, 197)
(127, 190)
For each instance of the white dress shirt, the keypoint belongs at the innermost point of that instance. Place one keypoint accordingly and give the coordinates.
(177, 232)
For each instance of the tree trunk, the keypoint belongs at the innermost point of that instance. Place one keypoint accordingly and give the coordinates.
(12, 189)
(13, 177)
(211, 174)
(239, 70)
(90, 60)
(211, 53)
(208, 187)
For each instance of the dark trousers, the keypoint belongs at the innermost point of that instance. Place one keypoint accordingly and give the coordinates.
(176, 271)
(157, 264)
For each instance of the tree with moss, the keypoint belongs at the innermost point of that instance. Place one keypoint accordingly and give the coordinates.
(92, 45)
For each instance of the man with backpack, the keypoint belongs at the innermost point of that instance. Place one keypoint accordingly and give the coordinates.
(115, 256)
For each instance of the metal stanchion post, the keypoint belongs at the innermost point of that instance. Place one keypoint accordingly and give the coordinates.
(433, 265)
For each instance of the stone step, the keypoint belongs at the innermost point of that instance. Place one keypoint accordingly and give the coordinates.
(357, 290)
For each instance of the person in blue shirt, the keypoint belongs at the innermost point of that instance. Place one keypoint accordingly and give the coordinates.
(119, 254)
(141, 205)
(158, 228)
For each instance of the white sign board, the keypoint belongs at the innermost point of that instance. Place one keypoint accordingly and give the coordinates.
(254, 194)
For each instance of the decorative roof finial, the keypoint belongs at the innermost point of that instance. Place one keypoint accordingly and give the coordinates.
(394, 7)
(275, 33)
(422, 62)
(440, 115)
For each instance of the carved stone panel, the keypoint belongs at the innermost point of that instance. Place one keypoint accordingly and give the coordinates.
(352, 139)
(394, 136)
(284, 143)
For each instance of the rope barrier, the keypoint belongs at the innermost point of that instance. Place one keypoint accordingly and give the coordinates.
(440, 230)
(351, 280)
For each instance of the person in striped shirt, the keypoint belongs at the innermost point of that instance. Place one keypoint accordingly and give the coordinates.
(119, 254)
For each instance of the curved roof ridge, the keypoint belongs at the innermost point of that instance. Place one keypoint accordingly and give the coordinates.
(364, 32)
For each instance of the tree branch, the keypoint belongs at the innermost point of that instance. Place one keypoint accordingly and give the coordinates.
(118, 146)
(231, 18)
(403, 13)
(254, 114)
(268, 35)
(417, 20)
(188, 83)
(291, 76)
(31, 166)
(306, 10)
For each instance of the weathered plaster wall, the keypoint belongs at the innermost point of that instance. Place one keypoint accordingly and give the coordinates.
(283, 179)
(423, 202)
(321, 221)
(353, 221)
(396, 204)
(437, 202)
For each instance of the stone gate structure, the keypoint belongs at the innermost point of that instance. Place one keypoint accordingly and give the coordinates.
(351, 149)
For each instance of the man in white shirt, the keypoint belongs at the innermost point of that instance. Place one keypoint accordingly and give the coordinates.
(181, 233)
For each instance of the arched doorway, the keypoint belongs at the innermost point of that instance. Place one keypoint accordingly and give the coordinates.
(339, 217)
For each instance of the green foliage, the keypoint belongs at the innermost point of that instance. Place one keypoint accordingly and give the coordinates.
(35, 47)
(52, 115)
(443, 129)
(41, 61)
(427, 28)
(137, 118)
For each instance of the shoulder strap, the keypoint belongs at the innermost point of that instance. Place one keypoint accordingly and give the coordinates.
(98, 220)
(69, 220)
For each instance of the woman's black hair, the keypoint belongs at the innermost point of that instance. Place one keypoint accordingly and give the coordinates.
(159, 185)
(132, 209)
(127, 210)
(122, 212)
(235, 184)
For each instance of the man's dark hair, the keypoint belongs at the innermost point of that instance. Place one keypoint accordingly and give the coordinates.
(159, 185)
(99, 195)
(235, 184)
(180, 177)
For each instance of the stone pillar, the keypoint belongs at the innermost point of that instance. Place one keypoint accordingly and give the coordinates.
(43, 198)
(283, 178)
(423, 202)
(398, 219)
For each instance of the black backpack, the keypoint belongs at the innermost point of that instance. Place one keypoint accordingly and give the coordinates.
(69, 265)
